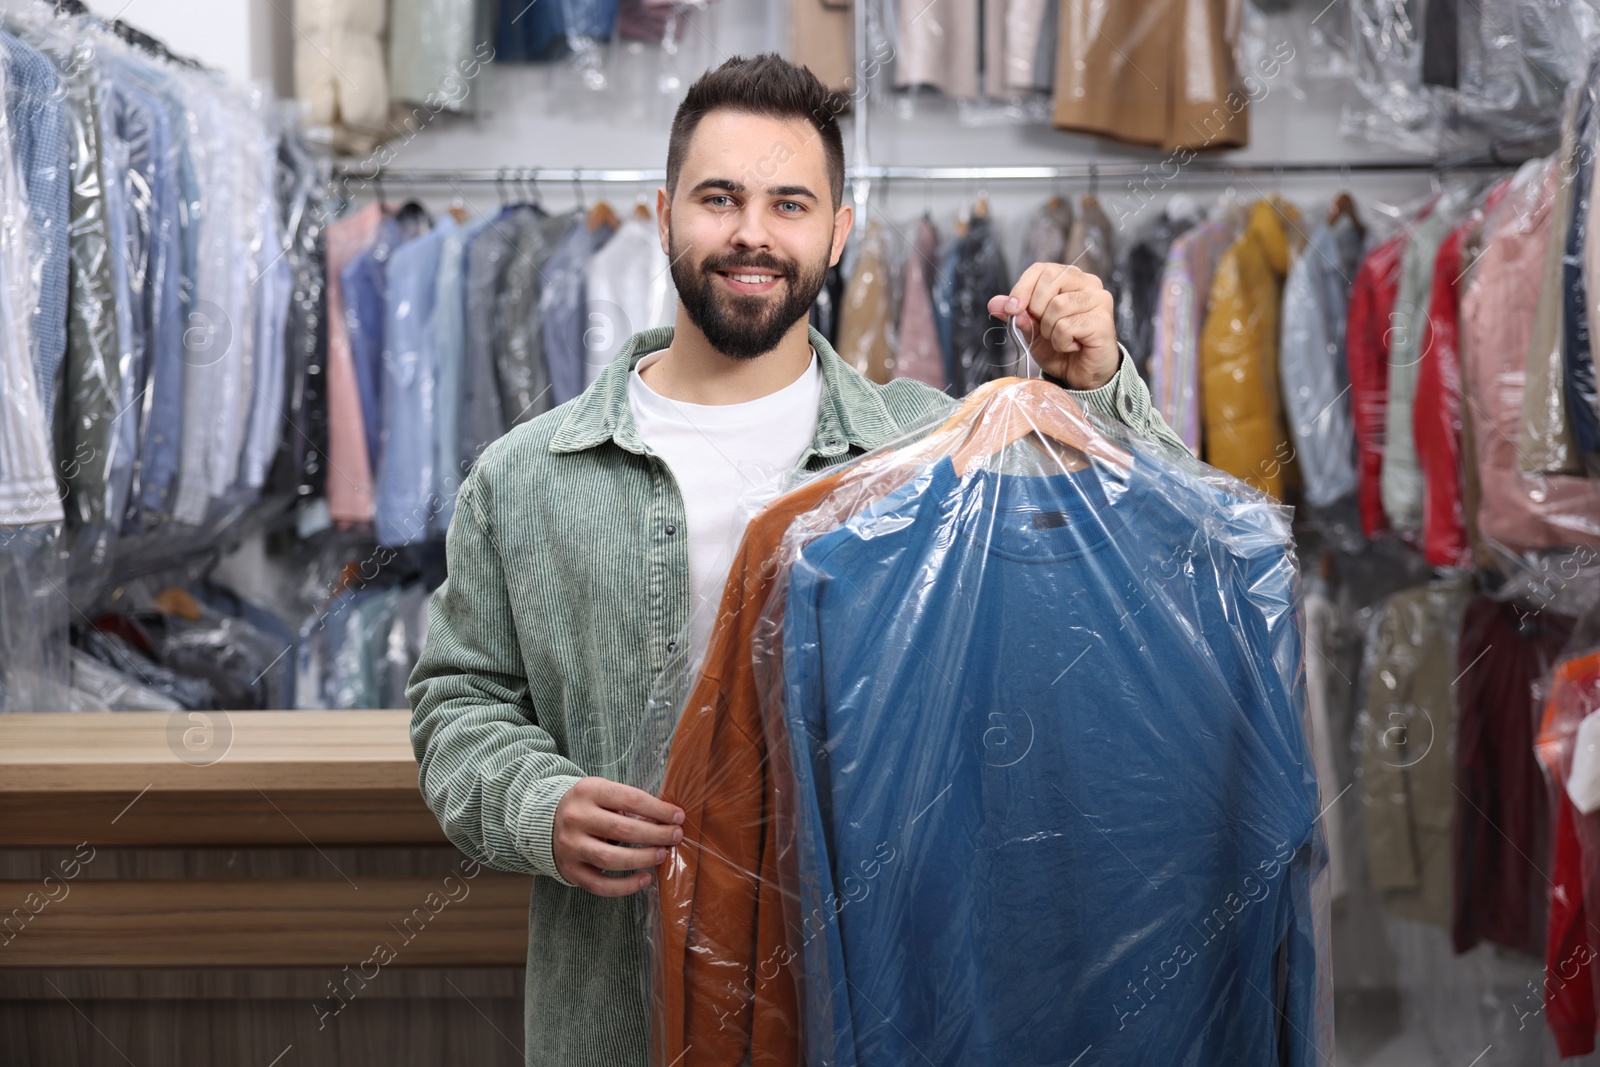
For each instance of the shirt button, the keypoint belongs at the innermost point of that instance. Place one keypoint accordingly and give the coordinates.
(672, 646)
(671, 529)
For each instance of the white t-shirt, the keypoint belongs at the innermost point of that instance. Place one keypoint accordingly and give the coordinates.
(729, 460)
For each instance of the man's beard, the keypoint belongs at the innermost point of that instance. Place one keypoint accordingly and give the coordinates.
(744, 325)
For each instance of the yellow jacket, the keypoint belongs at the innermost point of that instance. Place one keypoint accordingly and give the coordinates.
(1241, 411)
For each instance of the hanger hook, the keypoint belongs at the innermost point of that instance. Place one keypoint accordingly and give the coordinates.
(577, 182)
(1094, 179)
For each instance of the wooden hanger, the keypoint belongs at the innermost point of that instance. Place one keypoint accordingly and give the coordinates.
(602, 215)
(1022, 406)
(641, 210)
(1344, 205)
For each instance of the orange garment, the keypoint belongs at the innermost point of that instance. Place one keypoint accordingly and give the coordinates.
(724, 984)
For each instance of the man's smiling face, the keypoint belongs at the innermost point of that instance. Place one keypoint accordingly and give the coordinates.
(752, 229)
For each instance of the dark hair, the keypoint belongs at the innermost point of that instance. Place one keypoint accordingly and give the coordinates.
(766, 85)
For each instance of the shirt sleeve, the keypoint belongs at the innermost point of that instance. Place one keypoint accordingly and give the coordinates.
(486, 769)
(1126, 399)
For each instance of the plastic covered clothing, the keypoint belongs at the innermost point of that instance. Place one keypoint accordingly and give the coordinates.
(1400, 482)
(919, 355)
(432, 58)
(1156, 74)
(410, 402)
(1244, 430)
(1142, 264)
(865, 340)
(563, 303)
(1501, 844)
(978, 342)
(1520, 512)
(1407, 775)
(521, 371)
(1577, 265)
(630, 289)
(1175, 350)
(339, 70)
(35, 111)
(1367, 339)
(1437, 409)
(1546, 443)
(1513, 62)
(863, 788)
(1311, 361)
(349, 479)
(1571, 959)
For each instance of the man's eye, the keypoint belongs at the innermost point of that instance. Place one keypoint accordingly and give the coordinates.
(793, 204)
(714, 199)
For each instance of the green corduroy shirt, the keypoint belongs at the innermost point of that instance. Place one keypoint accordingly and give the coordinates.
(567, 594)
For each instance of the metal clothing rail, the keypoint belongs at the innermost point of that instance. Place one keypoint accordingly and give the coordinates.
(1155, 169)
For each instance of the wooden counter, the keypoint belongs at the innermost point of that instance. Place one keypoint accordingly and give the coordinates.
(292, 789)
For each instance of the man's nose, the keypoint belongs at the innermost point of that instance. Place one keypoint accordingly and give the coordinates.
(750, 229)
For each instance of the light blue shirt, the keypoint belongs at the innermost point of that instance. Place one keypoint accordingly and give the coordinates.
(408, 398)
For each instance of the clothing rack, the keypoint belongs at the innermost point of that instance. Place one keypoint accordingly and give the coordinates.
(1212, 170)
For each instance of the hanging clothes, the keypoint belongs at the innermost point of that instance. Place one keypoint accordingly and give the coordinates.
(630, 289)
(1571, 961)
(1400, 481)
(520, 368)
(1497, 308)
(1436, 416)
(405, 476)
(937, 45)
(1311, 361)
(1175, 348)
(1367, 340)
(1547, 444)
(919, 355)
(349, 466)
(1407, 777)
(1244, 430)
(893, 526)
(564, 306)
(977, 346)
(1155, 74)
(1140, 270)
(449, 345)
(865, 342)
(339, 69)
(1501, 845)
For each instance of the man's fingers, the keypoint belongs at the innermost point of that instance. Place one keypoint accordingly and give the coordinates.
(618, 797)
(633, 831)
(604, 885)
(597, 853)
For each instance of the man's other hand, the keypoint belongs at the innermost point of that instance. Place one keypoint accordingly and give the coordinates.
(595, 823)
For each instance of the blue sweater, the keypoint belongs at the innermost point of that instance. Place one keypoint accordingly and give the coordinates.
(1054, 803)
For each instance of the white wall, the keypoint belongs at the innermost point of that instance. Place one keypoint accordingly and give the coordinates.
(245, 39)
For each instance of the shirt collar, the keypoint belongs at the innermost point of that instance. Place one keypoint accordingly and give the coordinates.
(851, 412)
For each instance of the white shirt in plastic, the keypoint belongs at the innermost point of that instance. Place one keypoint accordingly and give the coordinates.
(630, 289)
(728, 460)
(1583, 784)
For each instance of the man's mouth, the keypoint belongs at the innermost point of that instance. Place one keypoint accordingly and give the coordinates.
(750, 281)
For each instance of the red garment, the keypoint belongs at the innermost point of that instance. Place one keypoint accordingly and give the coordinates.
(1570, 957)
(1367, 334)
(1500, 836)
(1436, 411)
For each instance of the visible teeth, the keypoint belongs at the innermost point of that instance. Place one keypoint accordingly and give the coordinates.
(754, 279)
